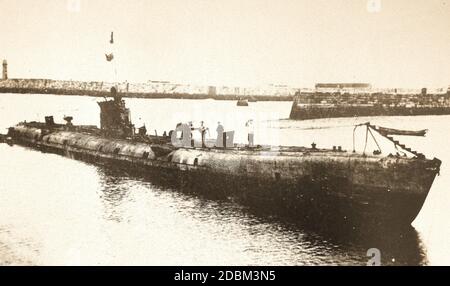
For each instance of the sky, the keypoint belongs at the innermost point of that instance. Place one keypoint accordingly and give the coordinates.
(389, 43)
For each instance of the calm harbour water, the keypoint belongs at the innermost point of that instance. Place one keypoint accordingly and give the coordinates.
(59, 211)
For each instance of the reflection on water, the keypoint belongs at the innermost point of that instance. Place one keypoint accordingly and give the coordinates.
(302, 243)
(54, 210)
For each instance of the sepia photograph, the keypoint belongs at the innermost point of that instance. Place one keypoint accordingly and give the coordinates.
(226, 133)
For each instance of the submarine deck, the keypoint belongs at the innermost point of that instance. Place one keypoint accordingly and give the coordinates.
(238, 149)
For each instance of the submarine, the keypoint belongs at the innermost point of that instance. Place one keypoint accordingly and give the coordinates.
(318, 183)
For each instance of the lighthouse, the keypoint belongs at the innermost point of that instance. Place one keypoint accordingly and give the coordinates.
(5, 70)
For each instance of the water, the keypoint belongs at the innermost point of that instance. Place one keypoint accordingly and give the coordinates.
(58, 211)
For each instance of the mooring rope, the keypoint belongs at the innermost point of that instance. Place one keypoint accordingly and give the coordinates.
(365, 143)
(315, 128)
(374, 139)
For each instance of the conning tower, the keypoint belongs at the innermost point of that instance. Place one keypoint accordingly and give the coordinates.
(115, 117)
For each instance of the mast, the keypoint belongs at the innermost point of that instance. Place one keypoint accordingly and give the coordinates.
(115, 119)
(110, 58)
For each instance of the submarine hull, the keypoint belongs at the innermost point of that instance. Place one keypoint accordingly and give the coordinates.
(314, 184)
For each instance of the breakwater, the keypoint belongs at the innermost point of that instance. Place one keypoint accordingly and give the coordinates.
(370, 103)
(150, 89)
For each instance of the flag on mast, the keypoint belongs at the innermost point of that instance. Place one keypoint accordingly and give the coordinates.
(110, 56)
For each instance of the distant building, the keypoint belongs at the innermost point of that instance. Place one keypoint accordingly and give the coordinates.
(343, 87)
(423, 91)
(5, 70)
(212, 91)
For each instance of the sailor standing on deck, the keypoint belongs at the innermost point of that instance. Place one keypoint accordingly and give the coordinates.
(219, 140)
(250, 131)
(191, 138)
(203, 130)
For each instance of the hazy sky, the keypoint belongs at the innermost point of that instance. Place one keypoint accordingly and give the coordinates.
(400, 43)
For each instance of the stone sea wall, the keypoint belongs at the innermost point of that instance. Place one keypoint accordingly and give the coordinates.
(150, 89)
